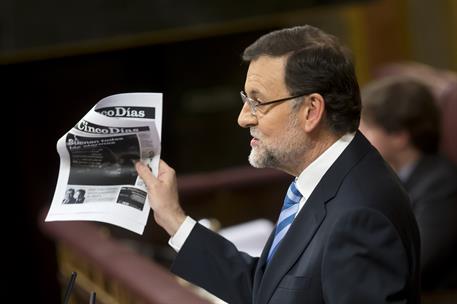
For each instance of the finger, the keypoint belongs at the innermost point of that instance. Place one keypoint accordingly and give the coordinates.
(145, 173)
(166, 173)
(164, 168)
(163, 165)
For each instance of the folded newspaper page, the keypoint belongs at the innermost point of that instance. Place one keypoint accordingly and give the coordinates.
(97, 177)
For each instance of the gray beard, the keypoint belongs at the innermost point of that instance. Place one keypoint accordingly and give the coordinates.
(266, 159)
(286, 152)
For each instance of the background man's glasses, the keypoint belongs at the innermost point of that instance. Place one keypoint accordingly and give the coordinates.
(254, 104)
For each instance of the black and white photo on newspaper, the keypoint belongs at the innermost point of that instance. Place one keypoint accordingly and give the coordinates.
(97, 178)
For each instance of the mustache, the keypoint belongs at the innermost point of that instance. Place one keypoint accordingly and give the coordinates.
(254, 133)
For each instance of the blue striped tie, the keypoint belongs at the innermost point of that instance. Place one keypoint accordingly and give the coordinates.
(288, 212)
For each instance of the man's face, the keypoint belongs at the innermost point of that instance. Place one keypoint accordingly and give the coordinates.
(69, 194)
(384, 142)
(278, 141)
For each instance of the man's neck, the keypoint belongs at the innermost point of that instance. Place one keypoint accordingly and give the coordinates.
(405, 158)
(317, 145)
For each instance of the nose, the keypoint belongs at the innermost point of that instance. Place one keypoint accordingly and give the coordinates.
(246, 119)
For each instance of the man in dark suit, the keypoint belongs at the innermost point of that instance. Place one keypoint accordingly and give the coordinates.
(346, 233)
(80, 196)
(69, 196)
(402, 121)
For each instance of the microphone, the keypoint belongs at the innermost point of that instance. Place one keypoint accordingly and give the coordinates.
(92, 298)
(69, 288)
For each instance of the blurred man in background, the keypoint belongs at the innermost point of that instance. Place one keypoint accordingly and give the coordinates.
(401, 119)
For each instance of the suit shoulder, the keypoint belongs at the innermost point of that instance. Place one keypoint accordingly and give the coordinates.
(435, 167)
(373, 183)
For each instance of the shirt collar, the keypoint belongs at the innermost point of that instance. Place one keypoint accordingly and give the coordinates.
(405, 172)
(310, 177)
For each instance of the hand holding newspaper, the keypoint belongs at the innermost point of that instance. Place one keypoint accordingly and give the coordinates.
(97, 177)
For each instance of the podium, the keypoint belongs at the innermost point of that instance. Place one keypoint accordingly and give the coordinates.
(115, 272)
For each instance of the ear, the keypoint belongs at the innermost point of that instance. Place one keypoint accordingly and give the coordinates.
(312, 112)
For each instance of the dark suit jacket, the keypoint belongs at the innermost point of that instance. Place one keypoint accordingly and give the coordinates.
(354, 241)
(433, 189)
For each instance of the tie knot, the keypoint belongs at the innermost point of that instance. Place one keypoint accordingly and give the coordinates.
(293, 196)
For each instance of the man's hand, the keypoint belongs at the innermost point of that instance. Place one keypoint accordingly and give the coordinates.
(163, 196)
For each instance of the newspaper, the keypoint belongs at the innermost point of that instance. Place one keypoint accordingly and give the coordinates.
(97, 177)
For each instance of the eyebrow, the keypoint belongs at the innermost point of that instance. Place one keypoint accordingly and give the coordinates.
(254, 94)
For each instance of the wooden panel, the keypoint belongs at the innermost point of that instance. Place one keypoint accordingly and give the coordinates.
(116, 273)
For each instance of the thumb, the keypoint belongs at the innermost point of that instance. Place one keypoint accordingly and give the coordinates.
(166, 173)
(165, 168)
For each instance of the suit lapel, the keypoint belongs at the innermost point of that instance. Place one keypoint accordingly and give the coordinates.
(260, 269)
(306, 224)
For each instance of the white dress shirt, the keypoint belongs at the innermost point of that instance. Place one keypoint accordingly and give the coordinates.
(306, 182)
(405, 172)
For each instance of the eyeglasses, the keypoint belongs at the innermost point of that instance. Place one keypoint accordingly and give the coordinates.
(254, 104)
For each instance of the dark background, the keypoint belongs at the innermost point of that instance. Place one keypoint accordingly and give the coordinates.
(50, 96)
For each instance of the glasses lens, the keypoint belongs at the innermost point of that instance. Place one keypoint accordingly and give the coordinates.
(243, 97)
